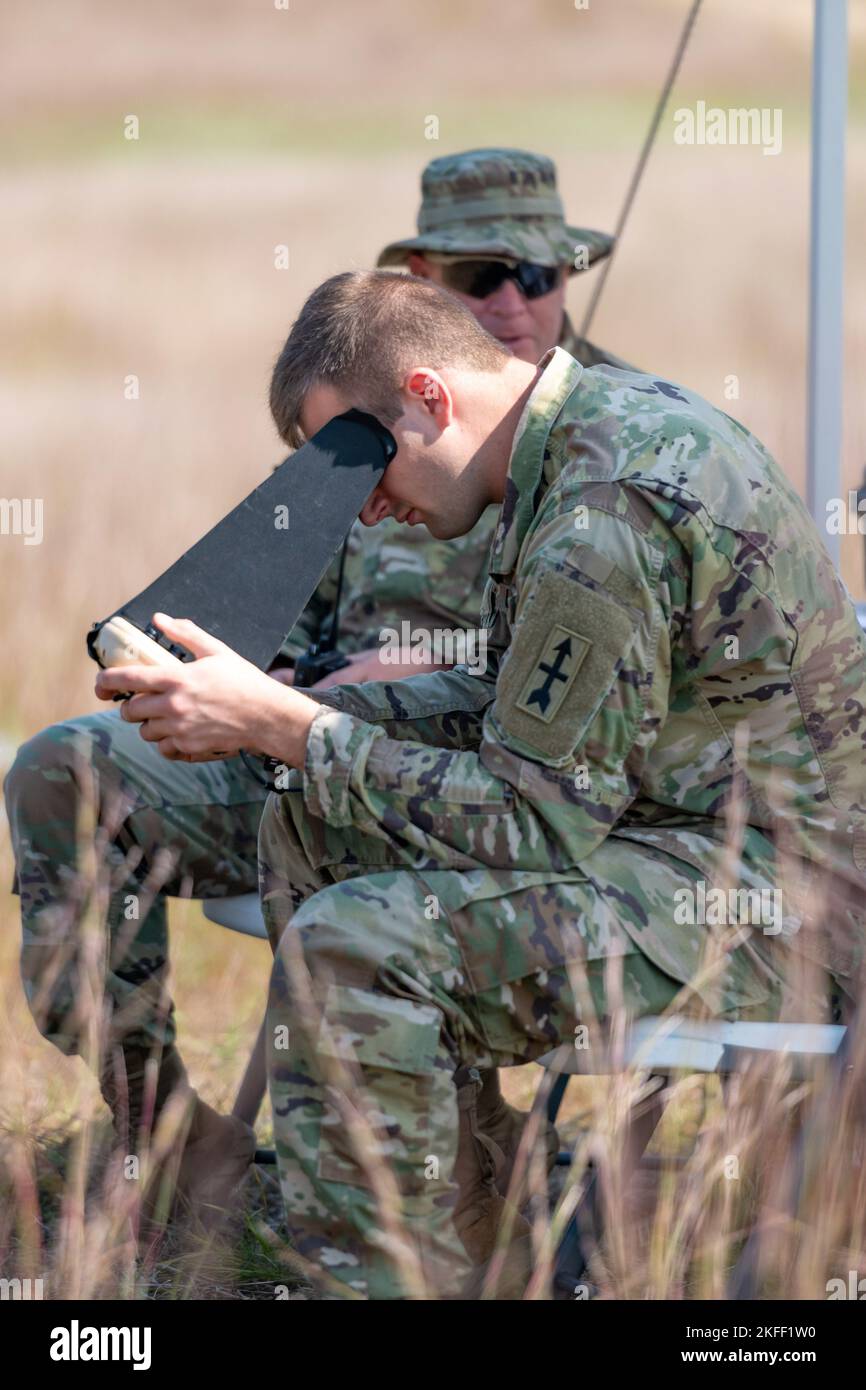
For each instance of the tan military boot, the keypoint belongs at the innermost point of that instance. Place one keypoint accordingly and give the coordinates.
(488, 1227)
(502, 1127)
(216, 1158)
(480, 1208)
(135, 1096)
(211, 1153)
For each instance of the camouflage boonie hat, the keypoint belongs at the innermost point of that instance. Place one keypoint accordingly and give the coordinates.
(497, 203)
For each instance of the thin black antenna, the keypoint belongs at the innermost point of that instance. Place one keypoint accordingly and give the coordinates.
(641, 164)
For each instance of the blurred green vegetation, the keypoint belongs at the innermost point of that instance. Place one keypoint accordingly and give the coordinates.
(219, 129)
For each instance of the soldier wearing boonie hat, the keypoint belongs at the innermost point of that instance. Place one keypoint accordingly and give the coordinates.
(492, 229)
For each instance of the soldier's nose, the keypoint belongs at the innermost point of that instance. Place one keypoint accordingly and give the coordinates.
(508, 299)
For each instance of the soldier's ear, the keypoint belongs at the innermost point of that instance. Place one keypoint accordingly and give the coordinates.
(427, 387)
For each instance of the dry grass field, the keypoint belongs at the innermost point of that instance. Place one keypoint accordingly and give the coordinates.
(154, 258)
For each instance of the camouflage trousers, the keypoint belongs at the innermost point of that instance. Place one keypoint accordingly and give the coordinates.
(103, 830)
(386, 980)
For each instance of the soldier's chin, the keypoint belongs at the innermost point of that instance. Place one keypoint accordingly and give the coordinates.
(445, 530)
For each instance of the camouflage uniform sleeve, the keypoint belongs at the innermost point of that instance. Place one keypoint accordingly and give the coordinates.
(442, 708)
(580, 696)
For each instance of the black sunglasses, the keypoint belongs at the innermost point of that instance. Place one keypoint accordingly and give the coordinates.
(481, 278)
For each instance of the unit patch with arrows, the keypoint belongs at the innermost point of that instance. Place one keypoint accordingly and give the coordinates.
(551, 679)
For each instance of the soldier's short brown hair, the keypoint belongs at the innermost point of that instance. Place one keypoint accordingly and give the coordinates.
(361, 331)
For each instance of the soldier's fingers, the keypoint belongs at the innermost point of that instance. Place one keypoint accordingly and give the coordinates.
(190, 635)
(155, 730)
(167, 748)
(142, 707)
(119, 679)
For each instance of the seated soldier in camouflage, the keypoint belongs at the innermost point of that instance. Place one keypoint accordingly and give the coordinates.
(491, 230)
(672, 707)
(192, 830)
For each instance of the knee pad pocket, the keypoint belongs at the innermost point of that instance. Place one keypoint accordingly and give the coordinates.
(394, 1043)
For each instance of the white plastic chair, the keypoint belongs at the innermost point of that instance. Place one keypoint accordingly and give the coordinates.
(244, 914)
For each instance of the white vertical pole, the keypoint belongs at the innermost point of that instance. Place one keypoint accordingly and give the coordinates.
(829, 108)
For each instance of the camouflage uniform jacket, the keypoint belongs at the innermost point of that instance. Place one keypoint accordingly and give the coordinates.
(400, 573)
(665, 630)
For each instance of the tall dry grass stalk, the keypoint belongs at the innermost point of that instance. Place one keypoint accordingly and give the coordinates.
(99, 1233)
(776, 1164)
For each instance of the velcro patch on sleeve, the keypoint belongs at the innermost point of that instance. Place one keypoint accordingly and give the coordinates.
(563, 661)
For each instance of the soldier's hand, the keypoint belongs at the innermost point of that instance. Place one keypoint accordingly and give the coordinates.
(213, 706)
